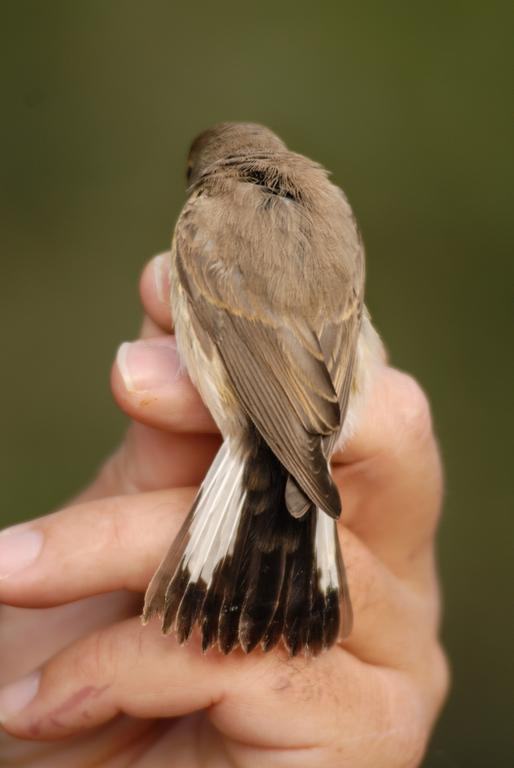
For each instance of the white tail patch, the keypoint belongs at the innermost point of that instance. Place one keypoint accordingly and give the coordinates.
(326, 552)
(247, 575)
(330, 568)
(214, 525)
(207, 536)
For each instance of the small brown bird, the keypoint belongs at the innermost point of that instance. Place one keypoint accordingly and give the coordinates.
(267, 275)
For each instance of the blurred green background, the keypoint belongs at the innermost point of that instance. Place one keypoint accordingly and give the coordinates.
(408, 104)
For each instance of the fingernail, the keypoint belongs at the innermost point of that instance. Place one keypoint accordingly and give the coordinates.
(19, 547)
(148, 365)
(15, 697)
(160, 266)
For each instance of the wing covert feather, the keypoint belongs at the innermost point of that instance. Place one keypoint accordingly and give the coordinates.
(292, 380)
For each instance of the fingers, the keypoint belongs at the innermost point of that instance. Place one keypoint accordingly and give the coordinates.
(173, 438)
(150, 385)
(256, 702)
(54, 628)
(117, 543)
(390, 477)
(90, 548)
(154, 288)
(150, 459)
(118, 669)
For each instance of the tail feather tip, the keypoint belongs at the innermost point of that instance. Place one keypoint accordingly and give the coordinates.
(251, 580)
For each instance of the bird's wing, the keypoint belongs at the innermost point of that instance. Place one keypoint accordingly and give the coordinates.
(338, 341)
(292, 380)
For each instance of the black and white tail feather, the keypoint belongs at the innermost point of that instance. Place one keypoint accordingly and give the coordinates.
(245, 570)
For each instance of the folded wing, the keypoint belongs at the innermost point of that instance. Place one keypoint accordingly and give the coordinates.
(291, 376)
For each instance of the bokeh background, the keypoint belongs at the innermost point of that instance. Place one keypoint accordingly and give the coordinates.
(408, 104)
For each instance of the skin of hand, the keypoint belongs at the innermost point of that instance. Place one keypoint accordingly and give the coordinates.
(85, 684)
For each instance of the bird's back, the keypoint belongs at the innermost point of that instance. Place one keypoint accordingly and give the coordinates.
(279, 215)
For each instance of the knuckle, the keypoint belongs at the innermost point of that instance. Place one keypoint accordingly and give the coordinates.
(440, 679)
(94, 662)
(410, 749)
(117, 526)
(369, 581)
(410, 723)
(365, 579)
(412, 408)
(306, 681)
(111, 525)
(406, 734)
(116, 474)
(291, 676)
(397, 727)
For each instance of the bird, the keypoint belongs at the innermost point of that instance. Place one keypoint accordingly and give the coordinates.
(267, 276)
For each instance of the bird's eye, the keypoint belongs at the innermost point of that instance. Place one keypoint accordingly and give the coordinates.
(189, 172)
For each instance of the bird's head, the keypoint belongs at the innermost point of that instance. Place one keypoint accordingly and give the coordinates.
(225, 140)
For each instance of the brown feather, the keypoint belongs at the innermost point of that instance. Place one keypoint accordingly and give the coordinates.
(267, 279)
(287, 344)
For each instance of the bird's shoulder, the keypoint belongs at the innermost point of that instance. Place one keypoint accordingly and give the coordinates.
(276, 229)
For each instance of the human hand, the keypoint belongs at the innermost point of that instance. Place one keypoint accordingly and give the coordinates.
(115, 692)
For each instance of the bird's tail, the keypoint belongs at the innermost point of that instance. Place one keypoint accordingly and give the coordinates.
(245, 570)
